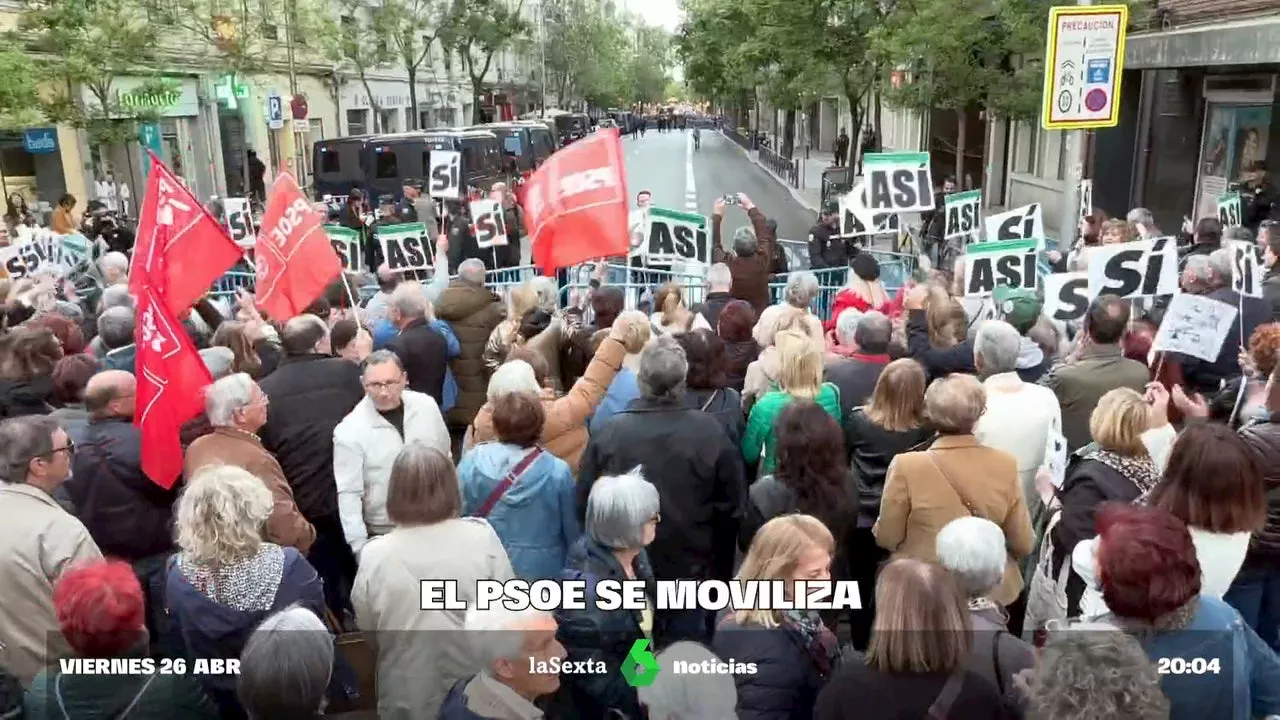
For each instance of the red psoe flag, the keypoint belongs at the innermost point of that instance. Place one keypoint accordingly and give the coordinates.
(293, 258)
(180, 248)
(576, 203)
(171, 383)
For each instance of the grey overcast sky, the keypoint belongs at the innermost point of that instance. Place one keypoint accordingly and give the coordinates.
(662, 13)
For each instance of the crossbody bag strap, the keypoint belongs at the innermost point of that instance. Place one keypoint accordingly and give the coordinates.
(947, 697)
(995, 660)
(502, 488)
(967, 505)
(711, 399)
(120, 714)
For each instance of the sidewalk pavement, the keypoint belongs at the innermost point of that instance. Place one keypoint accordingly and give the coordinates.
(809, 194)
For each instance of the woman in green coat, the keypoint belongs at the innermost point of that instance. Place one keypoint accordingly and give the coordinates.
(799, 377)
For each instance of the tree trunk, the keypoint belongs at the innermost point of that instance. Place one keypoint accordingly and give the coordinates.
(414, 122)
(376, 124)
(962, 121)
(789, 134)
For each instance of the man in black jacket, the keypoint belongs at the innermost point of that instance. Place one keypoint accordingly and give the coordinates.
(825, 249)
(423, 351)
(310, 393)
(129, 515)
(698, 471)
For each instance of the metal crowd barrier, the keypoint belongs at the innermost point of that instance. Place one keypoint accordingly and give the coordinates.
(788, 170)
(639, 283)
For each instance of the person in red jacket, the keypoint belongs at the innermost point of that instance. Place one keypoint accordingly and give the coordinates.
(865, 292)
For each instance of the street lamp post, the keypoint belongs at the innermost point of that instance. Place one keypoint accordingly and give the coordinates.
(542, 42)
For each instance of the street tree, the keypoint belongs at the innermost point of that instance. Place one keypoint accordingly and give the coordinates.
(963, 55)
(91, 45)
(585, 51)
(477, 30)
(411, 28)
(355, 42)
(19, 90)
(651, 58)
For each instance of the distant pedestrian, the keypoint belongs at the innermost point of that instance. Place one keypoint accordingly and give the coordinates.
(841, 148)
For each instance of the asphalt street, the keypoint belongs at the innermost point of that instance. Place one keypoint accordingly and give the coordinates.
(661, 162)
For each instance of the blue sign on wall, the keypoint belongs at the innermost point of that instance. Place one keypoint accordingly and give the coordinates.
(149, 139)
(40, 141)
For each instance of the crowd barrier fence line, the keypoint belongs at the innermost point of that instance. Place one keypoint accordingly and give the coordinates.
(639, 283)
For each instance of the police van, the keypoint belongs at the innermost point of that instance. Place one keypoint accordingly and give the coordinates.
(379, 164)
(525, 145)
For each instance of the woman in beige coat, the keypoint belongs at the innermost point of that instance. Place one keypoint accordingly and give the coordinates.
(423, 653)
(565, 432)
(956, 477)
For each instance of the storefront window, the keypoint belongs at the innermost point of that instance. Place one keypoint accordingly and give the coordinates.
(357, 122)
(1235, 137)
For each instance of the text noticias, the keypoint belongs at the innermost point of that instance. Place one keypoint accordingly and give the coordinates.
(550, 595)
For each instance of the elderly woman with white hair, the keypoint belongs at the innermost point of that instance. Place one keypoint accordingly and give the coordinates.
(622, 519)
(972, 549)
(686, 696)
(801, 291)
(286, 666)
(515, 649)
(225, 579)
(564, 433)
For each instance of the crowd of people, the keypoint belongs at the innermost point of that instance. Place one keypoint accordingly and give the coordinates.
(445, 431)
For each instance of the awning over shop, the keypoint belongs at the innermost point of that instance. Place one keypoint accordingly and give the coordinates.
(1252, 41)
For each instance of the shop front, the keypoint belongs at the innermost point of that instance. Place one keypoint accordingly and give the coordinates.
(1237, 127)
(32, 165)
(177, 136)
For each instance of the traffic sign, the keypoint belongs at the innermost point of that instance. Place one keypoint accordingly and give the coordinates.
(275, 111)
(1084, 60)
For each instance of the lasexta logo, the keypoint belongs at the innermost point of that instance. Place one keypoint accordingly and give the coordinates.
(640, 667)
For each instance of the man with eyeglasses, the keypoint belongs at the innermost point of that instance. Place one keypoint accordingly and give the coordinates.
(366, 443)
(39, 540)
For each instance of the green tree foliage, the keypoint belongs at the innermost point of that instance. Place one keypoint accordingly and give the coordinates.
(410, 28)
(90, 44)
(585, 52)
(19, 90)
(477, 30)
(355, 41)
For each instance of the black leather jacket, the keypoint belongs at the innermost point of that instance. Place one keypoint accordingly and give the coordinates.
(871, 448)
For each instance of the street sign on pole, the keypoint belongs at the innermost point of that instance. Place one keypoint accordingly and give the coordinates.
(1084, 63)
(275, 111)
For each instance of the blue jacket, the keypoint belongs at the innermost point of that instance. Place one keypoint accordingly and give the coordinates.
(786, 683)
(536, 519)
(384, 332)
(121, 359)
(1245, 682)
(208, 629)
(621, 392)
(455, 704)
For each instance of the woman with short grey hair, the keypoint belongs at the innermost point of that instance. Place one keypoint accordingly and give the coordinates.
(285, 667)
(973, 550)
(621, 520)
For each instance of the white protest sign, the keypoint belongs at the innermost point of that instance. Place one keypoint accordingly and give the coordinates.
(31, 256)
(405, 246)
(1246, 271)
(1055, 458)
(1066, 295)
(638, 225)
(1024, 223)
(488, 223)
(346, 244)
(963, 213)
(1142, 268)
(1194, 325)
(857, 220)
(898, 182)
(987, 265)
(240, 221)
(1229, 212)
(445, 177)
(1086, 197)
(677, 236)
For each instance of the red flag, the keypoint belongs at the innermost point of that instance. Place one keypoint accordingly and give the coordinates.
(171, 380)
(576, 203)
(182, 262)
(295, 260)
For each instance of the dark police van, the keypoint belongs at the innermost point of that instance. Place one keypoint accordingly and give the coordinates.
(525, 145)
(379, 164)
(572, 126)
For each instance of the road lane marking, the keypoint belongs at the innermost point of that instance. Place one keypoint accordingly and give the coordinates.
(690, 189)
